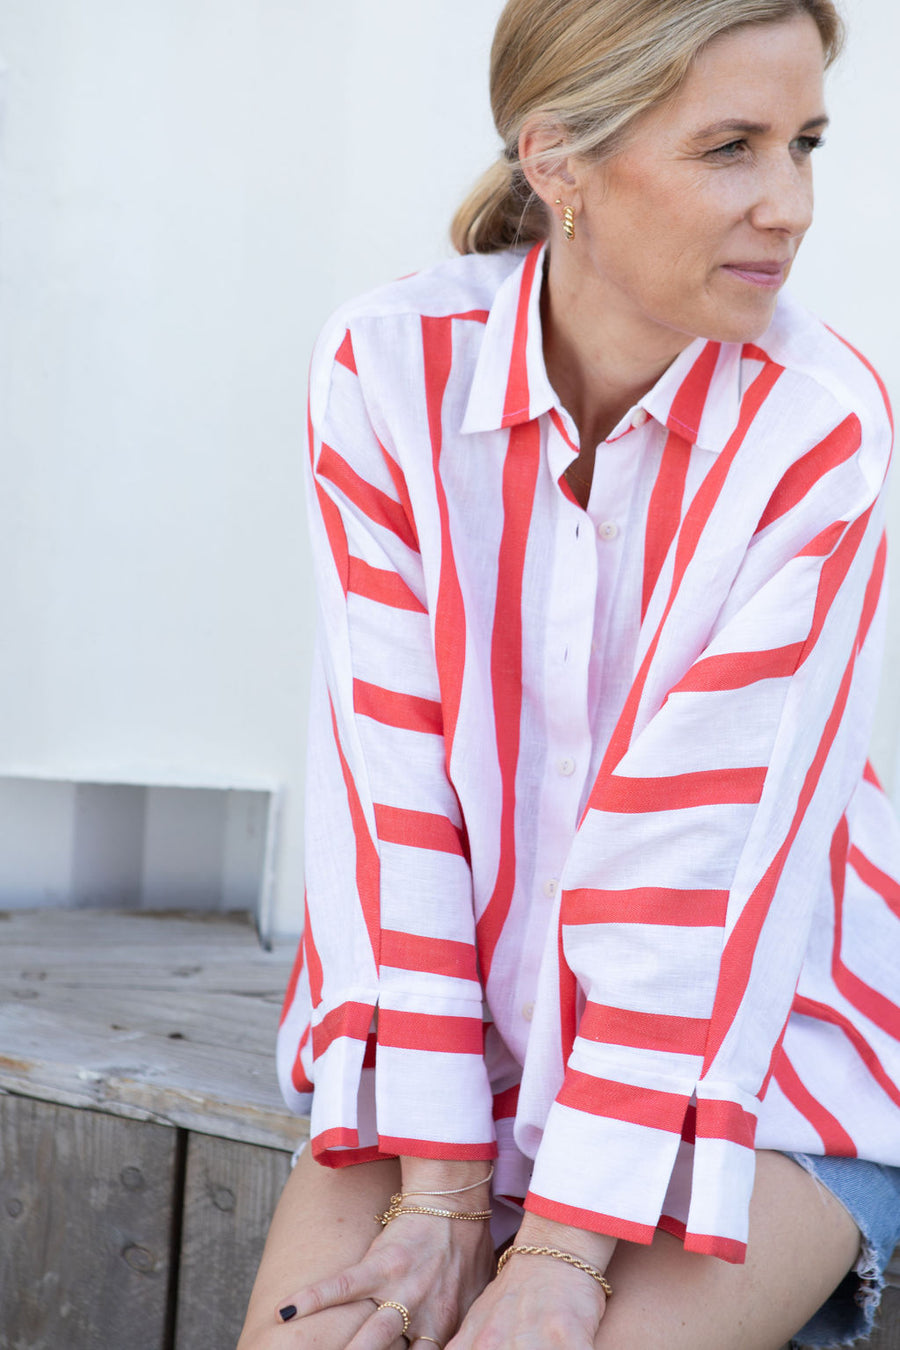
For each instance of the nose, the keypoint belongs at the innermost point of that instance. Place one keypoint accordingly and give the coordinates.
(784, 200)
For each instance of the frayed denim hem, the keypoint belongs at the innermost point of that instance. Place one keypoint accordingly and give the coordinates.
(849, 1314)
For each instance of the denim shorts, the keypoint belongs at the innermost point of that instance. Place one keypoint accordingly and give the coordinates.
(870, 1193)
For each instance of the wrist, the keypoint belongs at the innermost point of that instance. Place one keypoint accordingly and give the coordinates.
(595, 1248)
(467, 1184)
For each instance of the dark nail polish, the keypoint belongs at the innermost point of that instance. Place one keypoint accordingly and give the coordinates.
(287, 1313)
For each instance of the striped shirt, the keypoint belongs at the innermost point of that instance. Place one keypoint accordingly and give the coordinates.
(599, 881)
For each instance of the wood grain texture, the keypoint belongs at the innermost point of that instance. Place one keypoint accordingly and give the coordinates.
(86, 1206)
(158, 1018)
(230, 1195)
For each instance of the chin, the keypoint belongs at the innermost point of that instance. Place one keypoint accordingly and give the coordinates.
(742, 327)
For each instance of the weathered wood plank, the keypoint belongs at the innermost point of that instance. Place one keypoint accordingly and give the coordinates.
(85, 1225)
(149, 1018)
(230, 1194)
(138, 950)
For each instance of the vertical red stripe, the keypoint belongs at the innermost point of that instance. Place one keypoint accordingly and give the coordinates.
(345, 355)
(695, 523)
(664, 512)
(519, 481)
(296, 972)
(872, 371)
(368, 871)
(518, 395)
(737, 959)
(667, 498)
(450, 617)
(313, 963)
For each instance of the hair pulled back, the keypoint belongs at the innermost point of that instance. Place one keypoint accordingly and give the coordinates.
(591, 67)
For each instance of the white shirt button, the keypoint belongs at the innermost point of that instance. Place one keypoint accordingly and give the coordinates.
(528, 1012)
(551, 887)
(609, 530)
(639, 417)
(566, 767)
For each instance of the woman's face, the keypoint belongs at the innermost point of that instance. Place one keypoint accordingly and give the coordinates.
(691, 230)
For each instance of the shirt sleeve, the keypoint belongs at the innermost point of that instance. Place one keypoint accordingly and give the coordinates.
(389, 963)
(689, 895)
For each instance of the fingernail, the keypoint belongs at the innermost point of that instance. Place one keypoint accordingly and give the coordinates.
(287, 1313)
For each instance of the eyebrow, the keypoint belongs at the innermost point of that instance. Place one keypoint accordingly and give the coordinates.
(735, 125)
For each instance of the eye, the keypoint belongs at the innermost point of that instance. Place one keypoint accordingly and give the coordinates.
(731, 150)
(805, 145)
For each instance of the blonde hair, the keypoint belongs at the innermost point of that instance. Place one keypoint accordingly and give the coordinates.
(591, 67)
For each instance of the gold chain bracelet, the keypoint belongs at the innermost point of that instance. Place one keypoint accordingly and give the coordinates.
(397, 1207)
(569, 1259)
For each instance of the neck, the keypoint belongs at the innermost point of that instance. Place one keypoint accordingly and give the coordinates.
(600, 360)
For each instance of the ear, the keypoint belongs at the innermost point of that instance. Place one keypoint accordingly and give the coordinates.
(546, 163)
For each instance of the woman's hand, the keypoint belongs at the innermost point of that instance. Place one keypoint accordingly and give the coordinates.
(537, 1302)
(434, 1267)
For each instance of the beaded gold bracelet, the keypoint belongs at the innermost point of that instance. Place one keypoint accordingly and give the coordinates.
(569, 1259)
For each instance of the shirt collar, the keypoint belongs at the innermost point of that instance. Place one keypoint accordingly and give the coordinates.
(510, 384)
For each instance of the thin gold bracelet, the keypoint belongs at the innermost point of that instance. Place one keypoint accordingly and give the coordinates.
(460, 1190)
(569, 1259)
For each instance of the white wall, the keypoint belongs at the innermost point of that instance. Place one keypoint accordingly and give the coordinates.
(187, 188)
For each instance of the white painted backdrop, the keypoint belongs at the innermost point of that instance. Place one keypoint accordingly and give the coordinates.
(187, 188)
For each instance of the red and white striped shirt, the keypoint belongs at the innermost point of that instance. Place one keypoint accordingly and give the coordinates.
(598, 879)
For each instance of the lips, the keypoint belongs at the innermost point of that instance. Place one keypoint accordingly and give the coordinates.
(768, 274)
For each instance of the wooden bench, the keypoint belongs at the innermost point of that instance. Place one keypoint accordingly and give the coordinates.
(143, 1144)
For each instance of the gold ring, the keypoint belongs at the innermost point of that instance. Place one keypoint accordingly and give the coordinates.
(428, 1338)
(398, 1307)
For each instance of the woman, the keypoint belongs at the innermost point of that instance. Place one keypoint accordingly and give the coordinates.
(599, 882)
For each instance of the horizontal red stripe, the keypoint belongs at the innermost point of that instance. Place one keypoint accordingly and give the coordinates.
(474, 315)
(330, 1150)
(589, 1219)
(506, 1103)
(870, 775)
(350, 1019)
(737, 670)
(406, 711)
(339, 1137)
(724, 1120)
(376, 505)
(623, 1101)
(726, 1249)
(436, 1148)
(418, 829)
(644, 1031)
(427, 1031)
(437, 956)
(387, 588)
(647, 904)
(708, 787)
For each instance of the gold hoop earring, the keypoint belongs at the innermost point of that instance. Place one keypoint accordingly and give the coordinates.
(568, 220)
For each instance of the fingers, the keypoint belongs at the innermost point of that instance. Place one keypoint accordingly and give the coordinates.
(348, 1286)
(381, 1331)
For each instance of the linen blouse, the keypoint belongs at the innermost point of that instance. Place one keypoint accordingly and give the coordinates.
(599, 880)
